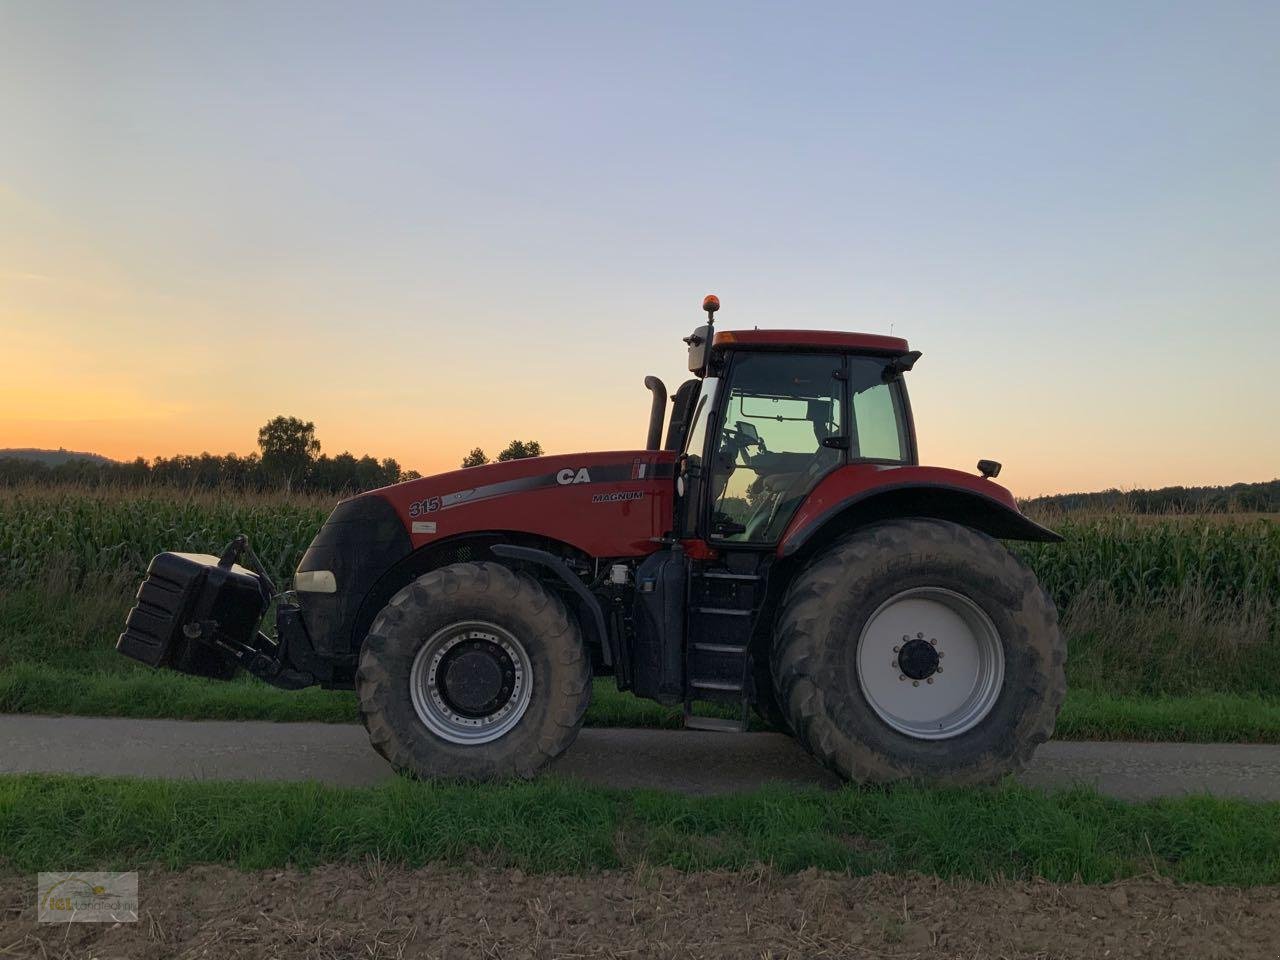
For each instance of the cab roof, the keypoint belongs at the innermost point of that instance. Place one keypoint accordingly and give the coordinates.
(811, 340)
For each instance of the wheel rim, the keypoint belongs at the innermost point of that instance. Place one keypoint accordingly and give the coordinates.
(930, 663)
(471, 682)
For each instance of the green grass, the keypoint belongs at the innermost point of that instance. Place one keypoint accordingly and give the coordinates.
(556, 826)
(1087, 715)
(1197, 718)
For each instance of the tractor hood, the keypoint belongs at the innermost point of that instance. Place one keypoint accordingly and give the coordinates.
(606, 504)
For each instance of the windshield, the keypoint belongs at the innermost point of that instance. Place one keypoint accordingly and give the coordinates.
(701, 415)
(689, 486)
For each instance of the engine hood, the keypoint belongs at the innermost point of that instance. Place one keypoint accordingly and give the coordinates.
(607, 503)
(470, 484)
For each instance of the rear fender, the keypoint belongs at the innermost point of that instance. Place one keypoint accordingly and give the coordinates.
(842, 503)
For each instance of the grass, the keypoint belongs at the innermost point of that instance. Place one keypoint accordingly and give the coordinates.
(1087, 715)
(1199, 718)
(1009, 832)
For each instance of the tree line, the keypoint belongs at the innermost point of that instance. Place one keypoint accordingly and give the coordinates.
(289, 458)
(1236, 498)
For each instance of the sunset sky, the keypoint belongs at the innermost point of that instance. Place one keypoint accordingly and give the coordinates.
(428, 227)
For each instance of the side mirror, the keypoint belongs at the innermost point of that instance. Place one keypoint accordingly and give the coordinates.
(747, 430)
(989, 468)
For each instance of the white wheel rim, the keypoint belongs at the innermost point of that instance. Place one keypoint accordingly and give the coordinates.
(894, 663)
(427, 684)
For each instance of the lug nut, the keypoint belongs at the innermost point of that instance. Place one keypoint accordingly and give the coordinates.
(901, 677)
(941, 654)
(939, 670)
(896, 649)
(929, 680)
(919, 636)
(915, 683)
(934, 642)
(894, 664)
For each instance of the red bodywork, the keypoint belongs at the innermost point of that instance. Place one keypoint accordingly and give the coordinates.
(624, 500)
(858, 481)
(609, 504)
(618, 503)
(811, 340)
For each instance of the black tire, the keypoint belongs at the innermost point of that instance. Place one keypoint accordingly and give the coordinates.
(561, 681)
(821, 622)
(766, 703)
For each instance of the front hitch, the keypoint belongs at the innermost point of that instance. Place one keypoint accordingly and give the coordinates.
(201, 615)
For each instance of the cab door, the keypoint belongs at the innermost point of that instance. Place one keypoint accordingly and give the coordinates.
(779, 426)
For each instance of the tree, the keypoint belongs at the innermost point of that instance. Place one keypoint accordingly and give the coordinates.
(476, 458)
(519, 449)
(289, 445)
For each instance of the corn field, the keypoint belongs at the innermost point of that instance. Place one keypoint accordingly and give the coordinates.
(1227, 559)
(82, 532)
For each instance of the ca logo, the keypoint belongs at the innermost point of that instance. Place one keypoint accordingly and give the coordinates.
(569, 475)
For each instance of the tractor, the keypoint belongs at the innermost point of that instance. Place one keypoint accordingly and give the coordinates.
(780, 550)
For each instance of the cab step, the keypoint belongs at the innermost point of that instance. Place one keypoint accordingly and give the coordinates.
(714, 724)
(732, 686)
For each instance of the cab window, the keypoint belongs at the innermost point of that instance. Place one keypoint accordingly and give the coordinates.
(781, 430)
(879, 426)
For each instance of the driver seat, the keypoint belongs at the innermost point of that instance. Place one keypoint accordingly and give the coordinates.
(777, 510)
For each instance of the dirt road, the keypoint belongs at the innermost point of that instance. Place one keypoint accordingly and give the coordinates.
(682, 760)
(375, 912)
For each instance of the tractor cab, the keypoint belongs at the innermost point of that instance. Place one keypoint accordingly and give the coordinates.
(770, 413)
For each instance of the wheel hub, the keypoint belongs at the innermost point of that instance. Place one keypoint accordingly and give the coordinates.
(476, 678)
(471, 682)
(902, 673)
(918, 659)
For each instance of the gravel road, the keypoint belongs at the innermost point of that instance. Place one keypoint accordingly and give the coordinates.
(683, 760)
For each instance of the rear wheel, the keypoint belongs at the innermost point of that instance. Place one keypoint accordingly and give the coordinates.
(473, 671)
(919, 649)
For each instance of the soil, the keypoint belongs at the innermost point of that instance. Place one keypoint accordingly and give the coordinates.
(376, 911)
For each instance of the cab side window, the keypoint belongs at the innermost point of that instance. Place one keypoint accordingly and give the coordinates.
(879, 426)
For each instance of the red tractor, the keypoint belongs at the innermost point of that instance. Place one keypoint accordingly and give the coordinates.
(781, 550)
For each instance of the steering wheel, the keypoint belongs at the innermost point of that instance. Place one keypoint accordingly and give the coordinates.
(742, 441)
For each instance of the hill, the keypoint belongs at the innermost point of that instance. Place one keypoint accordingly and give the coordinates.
(51, 458)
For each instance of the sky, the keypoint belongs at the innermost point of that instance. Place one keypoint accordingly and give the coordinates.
(431, 226)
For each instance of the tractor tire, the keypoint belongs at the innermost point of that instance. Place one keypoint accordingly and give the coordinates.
(765, 704)
(498, 634)
(861, 643)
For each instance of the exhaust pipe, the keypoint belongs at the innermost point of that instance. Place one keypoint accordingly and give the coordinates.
(657, 412)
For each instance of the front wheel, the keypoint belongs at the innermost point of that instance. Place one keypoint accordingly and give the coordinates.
(919, 649)
(473, 671)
